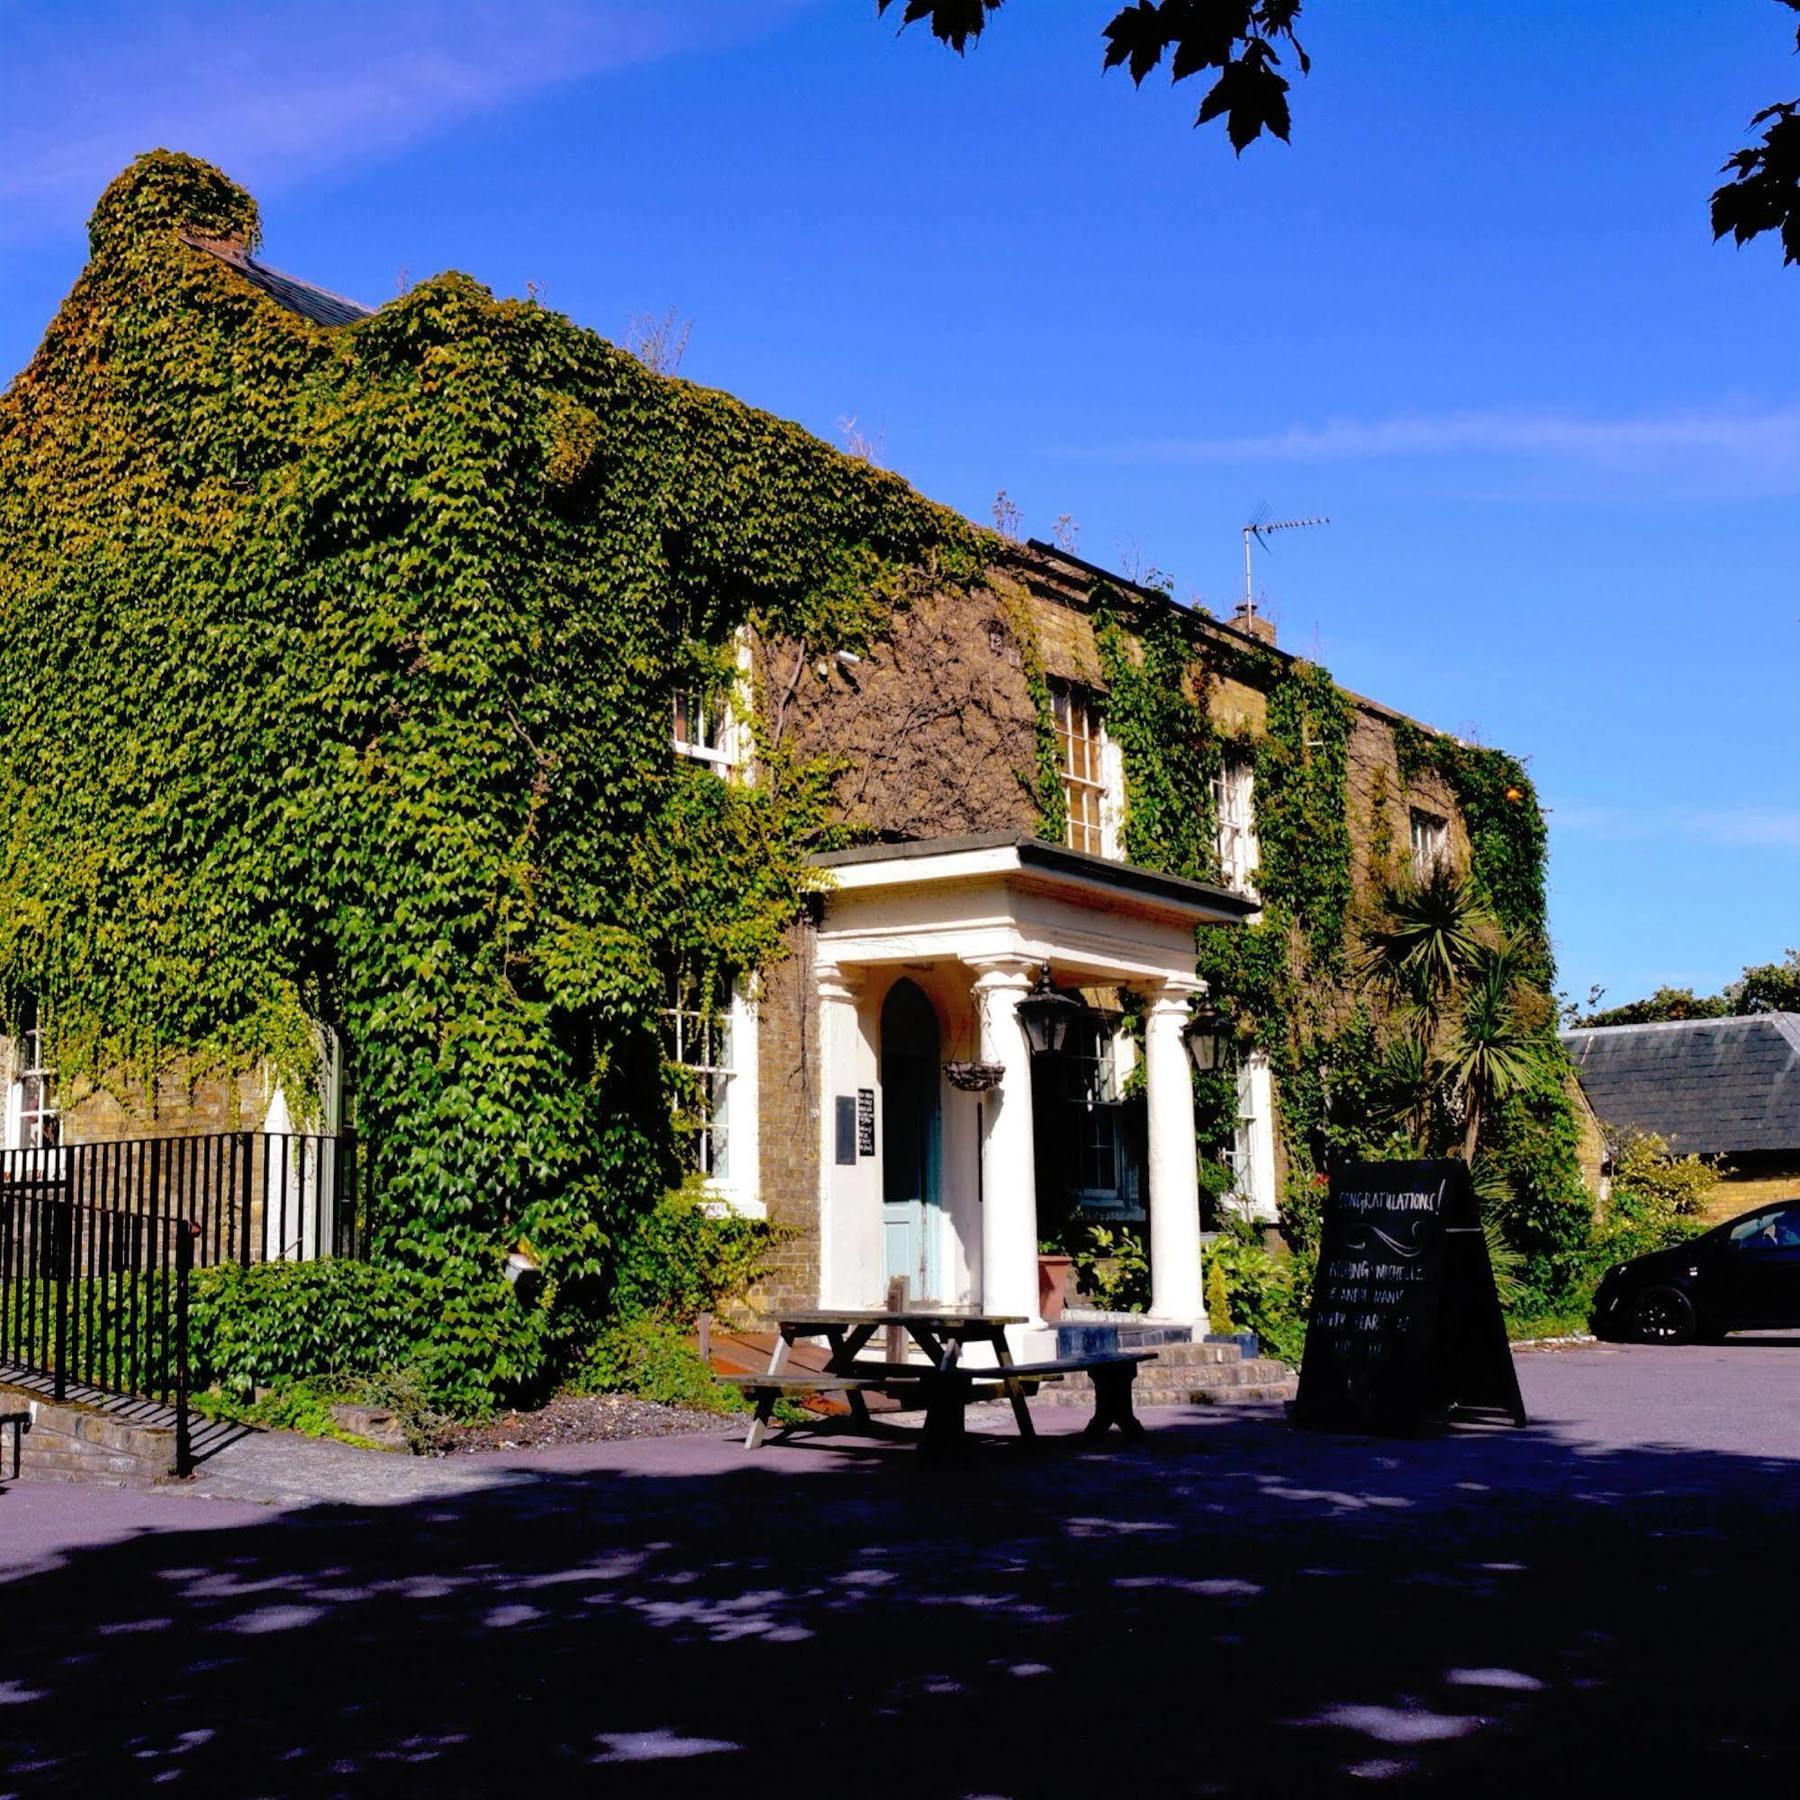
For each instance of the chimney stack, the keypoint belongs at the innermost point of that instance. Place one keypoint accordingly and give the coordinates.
(1253, 624)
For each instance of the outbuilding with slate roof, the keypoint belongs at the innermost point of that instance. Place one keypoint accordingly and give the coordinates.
(1724, 1089)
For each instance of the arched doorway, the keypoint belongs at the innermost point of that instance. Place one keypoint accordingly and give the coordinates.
(910, 1113)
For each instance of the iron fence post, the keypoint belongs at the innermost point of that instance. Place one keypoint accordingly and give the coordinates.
(61, 1243)
(185, 1233)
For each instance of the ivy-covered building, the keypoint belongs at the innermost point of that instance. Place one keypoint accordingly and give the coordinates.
(427, 713)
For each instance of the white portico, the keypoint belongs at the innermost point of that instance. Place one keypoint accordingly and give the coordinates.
(924, 952)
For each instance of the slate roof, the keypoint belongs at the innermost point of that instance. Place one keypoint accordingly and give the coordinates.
(318, 304)
(1712, 1087)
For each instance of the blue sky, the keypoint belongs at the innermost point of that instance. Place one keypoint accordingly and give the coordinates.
(1474, 314)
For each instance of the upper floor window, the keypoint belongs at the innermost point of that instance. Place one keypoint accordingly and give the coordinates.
(1430, 842)
(702, 728)
(36, 1120)
(1234, 797)
(1082, 762)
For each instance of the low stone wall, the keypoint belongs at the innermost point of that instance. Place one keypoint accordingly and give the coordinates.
(69, 1441)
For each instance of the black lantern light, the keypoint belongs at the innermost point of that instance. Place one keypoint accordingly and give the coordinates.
(1207, 1035)
(1047, 1015)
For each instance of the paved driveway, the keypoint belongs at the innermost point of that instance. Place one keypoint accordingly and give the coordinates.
(1234, 1608)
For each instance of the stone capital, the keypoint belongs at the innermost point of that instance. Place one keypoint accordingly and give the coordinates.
(836, 982)
(999, 974)
(1173, 997)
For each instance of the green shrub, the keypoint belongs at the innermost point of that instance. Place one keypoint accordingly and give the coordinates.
(683, 1257)
(1265, 1292)
(462, 1330)
(1648, 1175)
(1114, 1269)
(1218, 1303)
(653, 1360)
(306, 1406)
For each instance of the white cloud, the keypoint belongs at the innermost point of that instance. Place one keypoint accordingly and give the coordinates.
(1733, 827)
(276, 93)
(1757, 445)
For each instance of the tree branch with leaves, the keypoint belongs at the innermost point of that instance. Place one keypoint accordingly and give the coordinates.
(1238, 41)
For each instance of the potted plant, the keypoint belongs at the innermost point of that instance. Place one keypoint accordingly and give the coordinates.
(1055, 1272)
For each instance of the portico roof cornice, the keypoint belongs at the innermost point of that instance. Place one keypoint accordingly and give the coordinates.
(927, 861)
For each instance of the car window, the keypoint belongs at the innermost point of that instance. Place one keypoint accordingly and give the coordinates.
(1777, 1230)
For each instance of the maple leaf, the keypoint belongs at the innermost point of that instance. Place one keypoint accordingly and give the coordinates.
(953, 22)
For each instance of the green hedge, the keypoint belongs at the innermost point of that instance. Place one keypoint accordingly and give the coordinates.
(473, 1344)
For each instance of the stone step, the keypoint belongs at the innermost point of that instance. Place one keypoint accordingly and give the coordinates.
(1260, 1378)
(1222, 1372)
(1183, 1354)
(1251, 1392)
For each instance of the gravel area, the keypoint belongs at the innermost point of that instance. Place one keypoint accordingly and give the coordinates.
(589, 1419)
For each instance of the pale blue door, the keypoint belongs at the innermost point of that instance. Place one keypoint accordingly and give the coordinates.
(910, 1126)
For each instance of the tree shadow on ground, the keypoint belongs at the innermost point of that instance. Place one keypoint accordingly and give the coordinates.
(1231, 1608)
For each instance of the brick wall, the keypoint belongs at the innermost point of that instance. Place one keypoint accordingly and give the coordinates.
(787, 1044)
(935, 725)
(175, 1106)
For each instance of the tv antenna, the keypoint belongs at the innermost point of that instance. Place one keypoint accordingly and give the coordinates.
(1259, 528)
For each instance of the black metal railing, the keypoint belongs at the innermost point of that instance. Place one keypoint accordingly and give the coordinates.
(97, 1300)
(255, 1196)
(97, 1243)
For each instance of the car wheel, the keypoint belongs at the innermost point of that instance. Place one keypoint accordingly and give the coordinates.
(1663, 1315)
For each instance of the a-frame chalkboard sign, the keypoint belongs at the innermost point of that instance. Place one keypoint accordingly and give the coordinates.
(1405, 1321)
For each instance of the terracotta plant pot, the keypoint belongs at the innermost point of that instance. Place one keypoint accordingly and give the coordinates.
(1054, 1275)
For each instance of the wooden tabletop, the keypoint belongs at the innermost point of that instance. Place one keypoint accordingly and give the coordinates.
(938, 1319)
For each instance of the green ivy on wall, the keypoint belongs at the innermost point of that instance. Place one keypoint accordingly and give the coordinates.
(1156, 714)
(1508, 840)
(337, 666)
(1302, 809)
(1288, 979)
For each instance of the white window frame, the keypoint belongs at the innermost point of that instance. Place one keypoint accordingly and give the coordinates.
(728, 1147)
(722, 739)
(1098, 1097)
(1093, 781)
(1430, 839)
(1251, 1157)
(25, 1126)
(1234, 801)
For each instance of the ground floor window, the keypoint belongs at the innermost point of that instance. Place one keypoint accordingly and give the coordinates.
(709, 1036)
(698, 1040)
(34, 1120)
(1107, 1164)
(1251, 1153)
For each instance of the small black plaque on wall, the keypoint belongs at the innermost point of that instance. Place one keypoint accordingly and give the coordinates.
(865, 1121)
(846, 1128)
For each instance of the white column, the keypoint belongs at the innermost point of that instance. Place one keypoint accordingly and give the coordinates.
(1175, 1288)
(839, 990)
(1008, 1148)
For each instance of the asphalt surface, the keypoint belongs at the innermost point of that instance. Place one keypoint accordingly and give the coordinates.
(1602, 1599)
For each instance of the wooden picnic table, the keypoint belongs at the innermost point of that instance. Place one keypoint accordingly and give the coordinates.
(946, 1382)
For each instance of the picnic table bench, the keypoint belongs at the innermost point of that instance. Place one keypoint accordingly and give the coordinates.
(18, 1423)
(944, 1383)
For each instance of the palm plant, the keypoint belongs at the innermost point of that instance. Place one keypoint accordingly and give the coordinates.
(1489, 1054)
(1430, 944)
(1451, 983)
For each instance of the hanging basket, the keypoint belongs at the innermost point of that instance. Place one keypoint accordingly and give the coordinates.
(974, 1077)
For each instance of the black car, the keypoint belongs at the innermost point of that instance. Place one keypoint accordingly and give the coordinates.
(1741, 1276)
